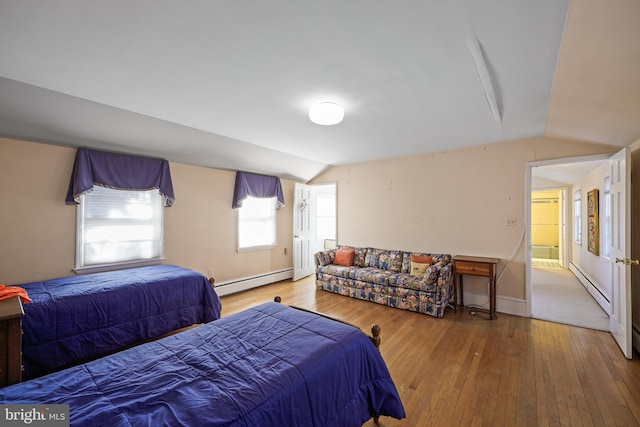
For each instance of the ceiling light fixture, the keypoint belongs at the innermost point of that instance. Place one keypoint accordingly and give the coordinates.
(326, 113)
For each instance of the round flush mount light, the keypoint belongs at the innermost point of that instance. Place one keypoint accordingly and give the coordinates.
(326, 113)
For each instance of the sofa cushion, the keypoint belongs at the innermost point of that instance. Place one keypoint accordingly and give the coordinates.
(427, 282)
(371, 260)
(390, 260)
(336, 270)
(344, 257)
(360, 256)
(326, 257)
(405, 280)
(371, 275)
(384, 259)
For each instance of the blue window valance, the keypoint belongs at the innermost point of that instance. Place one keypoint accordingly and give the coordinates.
(254, 185)
(119, 171)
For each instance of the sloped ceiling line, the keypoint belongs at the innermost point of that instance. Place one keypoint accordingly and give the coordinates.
(487, 82)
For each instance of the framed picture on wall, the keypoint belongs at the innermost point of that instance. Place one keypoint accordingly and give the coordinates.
(592, 222)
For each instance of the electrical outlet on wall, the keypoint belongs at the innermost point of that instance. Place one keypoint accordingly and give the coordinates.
(510, 222)
(210, 272)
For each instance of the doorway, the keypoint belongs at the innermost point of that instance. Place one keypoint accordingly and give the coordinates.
(554, 292)
(314, 225)
(623, 298)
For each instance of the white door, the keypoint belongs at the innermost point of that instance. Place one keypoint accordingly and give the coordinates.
(303, 231)
(563, 204)
(620, 320)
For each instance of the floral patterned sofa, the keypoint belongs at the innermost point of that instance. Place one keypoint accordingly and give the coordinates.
(384, 276)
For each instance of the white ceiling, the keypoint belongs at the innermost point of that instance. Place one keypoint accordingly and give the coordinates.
(567, 173)
(228, 84)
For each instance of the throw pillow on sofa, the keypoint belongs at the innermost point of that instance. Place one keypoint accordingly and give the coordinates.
(422, 259)
(344, 257)
(419, 264)
(418, 268)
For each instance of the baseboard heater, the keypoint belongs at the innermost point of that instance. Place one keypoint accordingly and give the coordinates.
(590, 286)
(245, 283)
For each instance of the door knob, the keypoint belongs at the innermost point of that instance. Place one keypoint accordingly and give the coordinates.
(628, 261)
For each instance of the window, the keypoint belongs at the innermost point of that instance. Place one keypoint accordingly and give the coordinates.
(118, 227)
(607, 216)
(577, 216)
(325, 215)
(257, 223)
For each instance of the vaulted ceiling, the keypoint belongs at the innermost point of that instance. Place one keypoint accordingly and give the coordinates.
(228, 84)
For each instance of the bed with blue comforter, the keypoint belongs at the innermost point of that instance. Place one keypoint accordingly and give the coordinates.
(270, 365)
(75, 319)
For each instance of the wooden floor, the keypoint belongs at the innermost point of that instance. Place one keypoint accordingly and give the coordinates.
(463, 370)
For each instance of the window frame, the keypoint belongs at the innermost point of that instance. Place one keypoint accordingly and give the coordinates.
(81, 268)
(577, 216)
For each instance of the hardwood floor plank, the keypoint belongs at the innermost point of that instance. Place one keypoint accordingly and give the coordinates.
(466, 370)
(567, 382)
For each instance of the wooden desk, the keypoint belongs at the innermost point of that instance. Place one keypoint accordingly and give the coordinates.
(11, 313)
(476, 266)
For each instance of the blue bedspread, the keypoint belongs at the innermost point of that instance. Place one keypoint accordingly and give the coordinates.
(270, 365)
(74, 319)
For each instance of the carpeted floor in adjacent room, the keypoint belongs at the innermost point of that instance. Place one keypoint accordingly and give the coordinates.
(558, 296)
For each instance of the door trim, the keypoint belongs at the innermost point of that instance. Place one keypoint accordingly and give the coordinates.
(527, 212)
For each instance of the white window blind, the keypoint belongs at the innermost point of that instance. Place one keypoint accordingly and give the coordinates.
(118, 227)
(257, 223)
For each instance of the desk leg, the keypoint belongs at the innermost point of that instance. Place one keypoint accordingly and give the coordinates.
(459, 276)
(455, 294)
(492, 290)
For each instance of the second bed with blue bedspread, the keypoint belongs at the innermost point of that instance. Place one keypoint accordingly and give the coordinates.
(74, 319)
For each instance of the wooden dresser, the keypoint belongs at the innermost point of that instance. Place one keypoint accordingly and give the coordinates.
(11, 313)
(476, 266)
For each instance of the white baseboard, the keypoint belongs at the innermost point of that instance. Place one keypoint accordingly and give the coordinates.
(245, 283)
(588, 283)
(507, 305)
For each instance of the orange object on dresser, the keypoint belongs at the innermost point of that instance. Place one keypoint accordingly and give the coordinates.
(12, 291)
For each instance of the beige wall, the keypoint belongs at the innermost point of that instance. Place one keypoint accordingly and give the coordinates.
(37, 228)
(446, 202)
(37, 235)
(449, 202)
